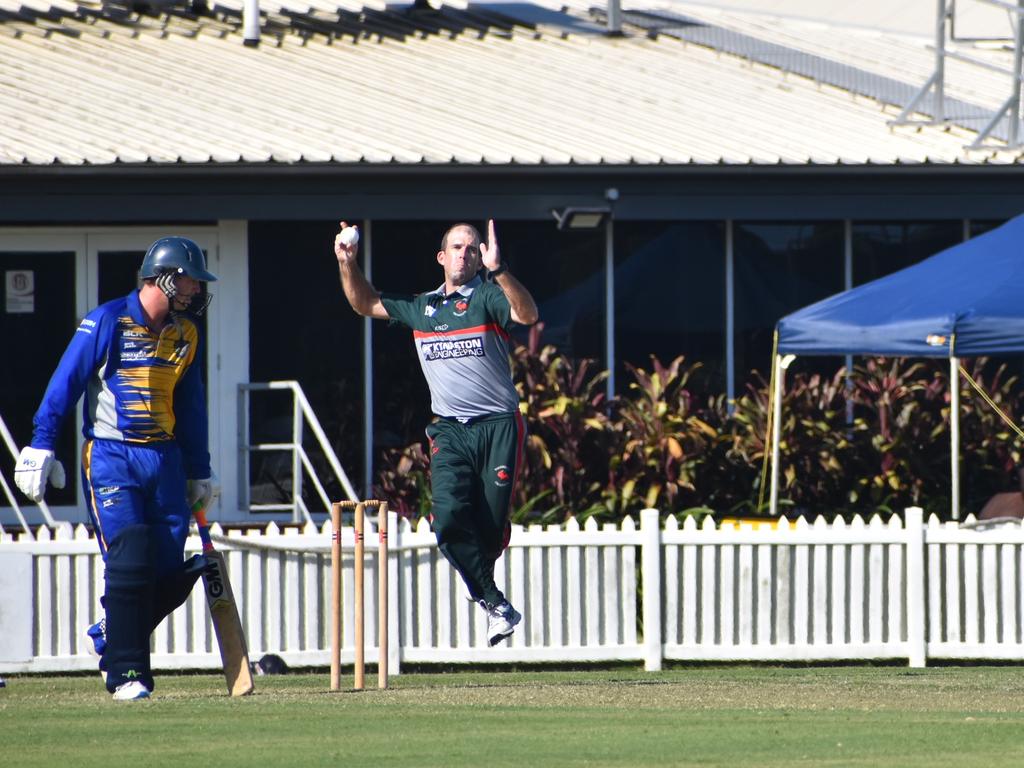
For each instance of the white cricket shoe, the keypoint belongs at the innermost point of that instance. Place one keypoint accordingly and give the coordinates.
(501, 621)
(131, 691)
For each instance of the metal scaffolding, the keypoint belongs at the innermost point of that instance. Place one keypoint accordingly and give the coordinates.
(1003, 129)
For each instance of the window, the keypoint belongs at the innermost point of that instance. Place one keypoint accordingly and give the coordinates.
(780, 268)
(565, 272)
(302, 328)
(979, 227)
(670, 294)
(881, 249)
(35, 336)
(404, 261)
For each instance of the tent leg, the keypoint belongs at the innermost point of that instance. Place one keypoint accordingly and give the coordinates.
(954, 437)
(773, 499)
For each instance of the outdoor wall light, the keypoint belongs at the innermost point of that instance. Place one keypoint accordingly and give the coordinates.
(588, 217)
(581, 218)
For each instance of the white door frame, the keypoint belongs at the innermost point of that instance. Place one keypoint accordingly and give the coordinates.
(227, 323)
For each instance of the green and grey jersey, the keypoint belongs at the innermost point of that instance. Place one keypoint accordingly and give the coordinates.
(463, 344)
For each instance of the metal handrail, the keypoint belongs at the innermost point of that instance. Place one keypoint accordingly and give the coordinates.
(302, 413)
(14, 504)
(12, 447)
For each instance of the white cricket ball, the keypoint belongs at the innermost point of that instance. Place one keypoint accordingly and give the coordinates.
(349, 236)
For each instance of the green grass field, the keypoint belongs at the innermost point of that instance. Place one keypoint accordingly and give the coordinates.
(706, 716)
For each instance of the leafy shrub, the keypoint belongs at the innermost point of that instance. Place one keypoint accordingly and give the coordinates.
(894, 450)
(874, 441)
(403, 478)
(570, 438)
(665, 438)
(902, 410)
(990, 450)
(815, 442)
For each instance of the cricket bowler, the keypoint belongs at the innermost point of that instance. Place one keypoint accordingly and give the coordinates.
(461, 333)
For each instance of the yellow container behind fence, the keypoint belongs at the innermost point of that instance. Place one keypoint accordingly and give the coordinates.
(758, 523)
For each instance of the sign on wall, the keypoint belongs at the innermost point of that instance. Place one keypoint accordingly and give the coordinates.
(20, 291)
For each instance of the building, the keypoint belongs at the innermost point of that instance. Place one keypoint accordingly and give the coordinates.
(743, 163)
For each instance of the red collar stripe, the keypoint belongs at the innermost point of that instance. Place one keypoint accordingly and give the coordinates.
(462, 332)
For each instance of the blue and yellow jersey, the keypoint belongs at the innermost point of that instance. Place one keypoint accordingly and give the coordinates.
(139, 386)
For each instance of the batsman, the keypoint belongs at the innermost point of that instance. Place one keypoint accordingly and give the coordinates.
(461, 333)
(145, 459)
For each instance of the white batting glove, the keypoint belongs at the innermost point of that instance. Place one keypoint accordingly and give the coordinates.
(203, 489)
(35, 467)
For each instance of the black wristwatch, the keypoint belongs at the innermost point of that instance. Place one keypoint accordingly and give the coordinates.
(493, 273)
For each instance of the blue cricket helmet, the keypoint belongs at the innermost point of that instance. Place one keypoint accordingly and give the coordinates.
(178, 255)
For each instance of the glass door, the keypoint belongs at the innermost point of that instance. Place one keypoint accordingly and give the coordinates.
(115, 258)
(52, 277)
(39, 314)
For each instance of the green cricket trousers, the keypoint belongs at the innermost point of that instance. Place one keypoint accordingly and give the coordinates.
(473, 469)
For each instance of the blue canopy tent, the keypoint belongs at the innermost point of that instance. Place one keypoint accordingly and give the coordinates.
(965, 301)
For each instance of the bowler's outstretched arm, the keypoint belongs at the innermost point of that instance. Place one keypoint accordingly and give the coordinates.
(364, 298)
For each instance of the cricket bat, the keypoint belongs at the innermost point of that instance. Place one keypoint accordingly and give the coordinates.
(224, 611)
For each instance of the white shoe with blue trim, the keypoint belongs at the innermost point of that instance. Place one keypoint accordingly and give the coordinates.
(131, 691)
(501, 621)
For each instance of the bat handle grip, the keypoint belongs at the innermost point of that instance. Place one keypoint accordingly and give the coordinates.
(204, 528)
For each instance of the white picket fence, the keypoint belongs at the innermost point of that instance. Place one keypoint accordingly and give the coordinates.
(659, 591)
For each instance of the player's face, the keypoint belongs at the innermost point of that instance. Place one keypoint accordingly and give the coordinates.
(461, 257)
(186, 289)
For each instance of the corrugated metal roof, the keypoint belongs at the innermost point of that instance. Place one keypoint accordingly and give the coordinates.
(886, 66)
(917, 17)
(99, 84)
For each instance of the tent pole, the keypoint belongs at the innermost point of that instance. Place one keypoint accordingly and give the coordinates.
(773, 499)
(954, 436)
(781, 363)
